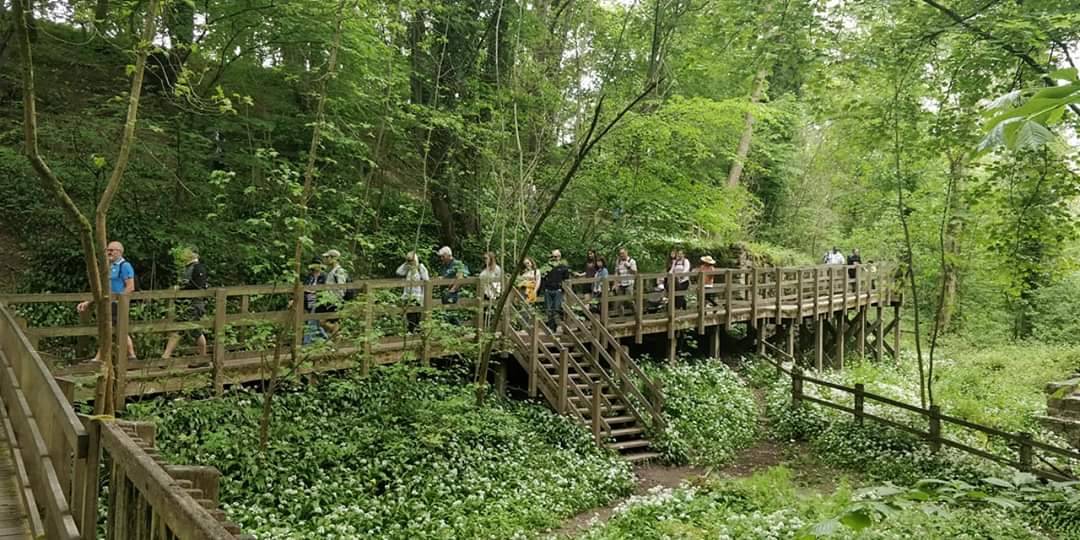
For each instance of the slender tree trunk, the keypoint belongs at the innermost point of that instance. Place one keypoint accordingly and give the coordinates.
(92, 238)
(584, 147)
(735, 173)
(950, 246)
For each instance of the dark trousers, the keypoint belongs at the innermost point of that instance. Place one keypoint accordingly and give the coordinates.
(553, 305)
(680, 301)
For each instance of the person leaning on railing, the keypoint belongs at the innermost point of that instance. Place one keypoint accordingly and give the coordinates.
(708, 264)
(415, 273)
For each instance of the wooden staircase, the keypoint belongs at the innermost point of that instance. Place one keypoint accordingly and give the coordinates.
(580, 377)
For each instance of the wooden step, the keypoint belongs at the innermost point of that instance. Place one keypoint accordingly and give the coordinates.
(640, 457)
(604, 409)
(620, 419)
(633, 443)
(622, 432)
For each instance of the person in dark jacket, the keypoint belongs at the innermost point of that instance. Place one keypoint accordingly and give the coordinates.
(194, 277)
(551, 284)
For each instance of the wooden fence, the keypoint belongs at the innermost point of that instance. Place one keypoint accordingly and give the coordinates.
(1028, 450)
(57, 455)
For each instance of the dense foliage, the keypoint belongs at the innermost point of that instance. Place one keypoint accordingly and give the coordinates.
(711, 414)
(398, 455)
(770, 506)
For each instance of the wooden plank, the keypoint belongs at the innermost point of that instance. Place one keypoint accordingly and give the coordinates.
(701, 303)
(220, 309)
(754, 298)
(728, 277)
(123, 314)
(185, 517)
(779, 313)
(817, 293)
(639, 307)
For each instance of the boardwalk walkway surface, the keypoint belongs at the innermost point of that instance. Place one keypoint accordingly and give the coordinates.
(14, 523)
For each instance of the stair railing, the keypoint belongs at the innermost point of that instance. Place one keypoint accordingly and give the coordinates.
(622, 366)
(550, 385)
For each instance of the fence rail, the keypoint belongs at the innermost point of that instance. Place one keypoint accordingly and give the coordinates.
(1024, 443)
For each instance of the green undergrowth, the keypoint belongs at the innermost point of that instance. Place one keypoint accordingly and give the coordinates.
(400, 454)
(769, 505)
(711, 414)
(885, 454)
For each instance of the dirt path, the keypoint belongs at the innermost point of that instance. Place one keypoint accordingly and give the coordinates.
(648, 477)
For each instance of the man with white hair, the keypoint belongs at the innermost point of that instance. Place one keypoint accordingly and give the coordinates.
(121, 281)
(336, 275)
(551, 284)
(452, 269)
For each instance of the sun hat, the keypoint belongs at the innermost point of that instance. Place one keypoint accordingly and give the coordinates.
(332, 253)
(707, 259)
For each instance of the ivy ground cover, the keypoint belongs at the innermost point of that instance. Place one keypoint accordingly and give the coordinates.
(394, 455)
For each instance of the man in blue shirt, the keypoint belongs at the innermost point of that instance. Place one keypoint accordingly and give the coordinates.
(121, 281)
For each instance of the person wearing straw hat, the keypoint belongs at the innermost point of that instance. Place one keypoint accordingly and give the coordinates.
(708, 264)
(335, 275)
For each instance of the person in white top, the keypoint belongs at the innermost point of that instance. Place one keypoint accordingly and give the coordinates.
(626, 267)
(680, 268)
(835, 257)
(491, 277)
(414, 273)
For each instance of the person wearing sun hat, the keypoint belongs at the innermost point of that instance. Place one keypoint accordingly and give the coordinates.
(708, 264)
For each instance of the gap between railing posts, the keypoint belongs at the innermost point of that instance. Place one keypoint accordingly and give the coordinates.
(796, 387)
(934, 434)
(860, 397)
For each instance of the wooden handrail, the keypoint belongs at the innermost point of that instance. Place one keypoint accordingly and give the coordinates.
(1026, 445)
(625, 361)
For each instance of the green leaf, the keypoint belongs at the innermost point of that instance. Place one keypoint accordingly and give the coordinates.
(1068, 74)
(1031, 135)
(825, 528)
(856, 520)
(999, 482)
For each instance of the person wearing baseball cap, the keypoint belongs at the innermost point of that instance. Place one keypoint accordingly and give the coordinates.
(551, 284)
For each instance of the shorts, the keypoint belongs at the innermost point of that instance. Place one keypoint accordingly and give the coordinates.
(191, 312)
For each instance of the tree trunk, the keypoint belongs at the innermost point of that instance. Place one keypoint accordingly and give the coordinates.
(950, 271)
(735, 173)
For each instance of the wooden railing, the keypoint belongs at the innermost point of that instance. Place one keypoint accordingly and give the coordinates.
(1027, 449)
(50, 445)
(57, 455)
(618, 368)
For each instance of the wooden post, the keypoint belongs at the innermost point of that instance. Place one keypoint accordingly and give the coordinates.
(671, 305)
(819, 343)
(796, 387)
(87, 486)
(832, 286)
(425, 323)
(714, 342)
(123, 314)
(82, 343)
(534, 353)
(701, 303)
(760, 337)
(564, 380)
(860, 397)
(753, 298)
(844, 293)
(799, 296)
(858, 286)
(817, 292)
(841, 318)
(896, 333)
(245, 303)
(728, 278)
(500, 378)
(639, 307)
(935, 428)
(779, 315)
(220, 308)
(595, 411)
(790, 333)
(879, 342)
(1025, 452)
(369, 328)
(604, 308)
(862, 331)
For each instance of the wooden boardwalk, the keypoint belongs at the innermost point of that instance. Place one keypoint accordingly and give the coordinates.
(14, 520)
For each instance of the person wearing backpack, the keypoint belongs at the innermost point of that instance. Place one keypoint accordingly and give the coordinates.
(194, 277)
(121, 281)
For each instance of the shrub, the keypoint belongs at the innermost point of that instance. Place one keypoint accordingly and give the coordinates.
(711, 414)
(394, 455)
